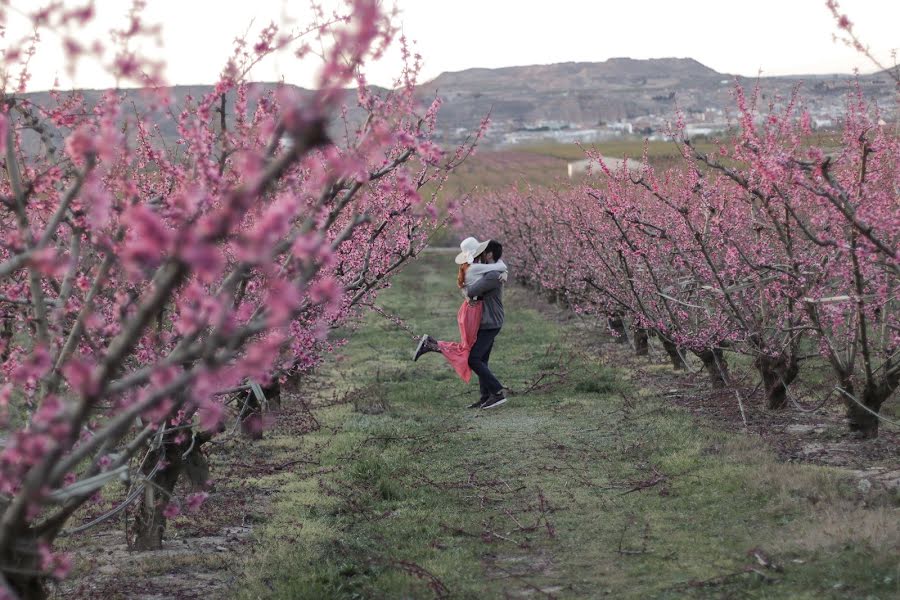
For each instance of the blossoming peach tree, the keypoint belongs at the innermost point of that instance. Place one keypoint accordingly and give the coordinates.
(155, 255)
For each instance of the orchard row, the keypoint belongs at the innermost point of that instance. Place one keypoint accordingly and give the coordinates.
(149, 286)
(770, 247)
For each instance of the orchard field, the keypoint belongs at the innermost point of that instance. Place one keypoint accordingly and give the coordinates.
(605, 475)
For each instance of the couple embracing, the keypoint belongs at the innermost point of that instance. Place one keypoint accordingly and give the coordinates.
(481, 278)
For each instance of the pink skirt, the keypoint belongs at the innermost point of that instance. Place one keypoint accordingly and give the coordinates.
(457, 353)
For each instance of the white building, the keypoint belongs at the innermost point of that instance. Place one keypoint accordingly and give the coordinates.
(613, 164)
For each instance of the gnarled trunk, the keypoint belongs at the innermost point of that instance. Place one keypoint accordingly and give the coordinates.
(777, 372)
(252, 409)
(251, 418)
(675, 354)
(21, 569)
(6, 336)
(617, 326)
(273, 394)
(641, 342)
(863, 421)
(183, 456)
(149, 520)
(715, 365)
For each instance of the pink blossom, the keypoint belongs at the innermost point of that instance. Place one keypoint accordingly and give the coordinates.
(164, 376)
(34, 367)
(171, 510)
(259, 357)
(81, 15)
(4, 128)
(204, 258)
(98, 202)
(78, 373)
(326, 290)
(283, 300)
(148, 238)
(430, 152)
(73, 48)
(58, 565)
(82, 282)
(194, 501)
(158, 412)
(5, 395)
(49, 263)
(306, 247)
(80, 144)
(211, 414)
(126, 65)
(50, 411)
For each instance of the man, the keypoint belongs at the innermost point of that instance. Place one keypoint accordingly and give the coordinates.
(488, 289)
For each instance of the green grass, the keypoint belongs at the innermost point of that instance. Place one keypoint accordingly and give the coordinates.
(656, 150)
(584, 487)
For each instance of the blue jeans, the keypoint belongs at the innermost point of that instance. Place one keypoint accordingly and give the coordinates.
(478, 362)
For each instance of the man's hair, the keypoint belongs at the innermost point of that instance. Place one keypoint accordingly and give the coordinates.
(495, 248)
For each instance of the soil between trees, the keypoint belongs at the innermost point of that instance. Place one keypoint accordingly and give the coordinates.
(605, 474)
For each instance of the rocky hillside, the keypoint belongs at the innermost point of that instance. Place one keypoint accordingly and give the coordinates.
(579, 96)
(588, 94)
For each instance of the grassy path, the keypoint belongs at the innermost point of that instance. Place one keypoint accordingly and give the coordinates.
(585, 486)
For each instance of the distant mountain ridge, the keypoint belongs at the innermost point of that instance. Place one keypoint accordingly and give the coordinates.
(582, 95)
(575, 75)
(587, 94)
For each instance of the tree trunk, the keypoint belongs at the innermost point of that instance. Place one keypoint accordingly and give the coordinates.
(21, 569)
(6, 335)
(196, 467)
(641, 342)
(716, 366)
(273, 394)
(861, 420)
(777, 372)
(150, 522)
(251, 417)
(674, 353)
(617, 326)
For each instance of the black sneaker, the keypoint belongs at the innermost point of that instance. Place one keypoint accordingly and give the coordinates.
(426, 344)
(495, 400)
(478, 403)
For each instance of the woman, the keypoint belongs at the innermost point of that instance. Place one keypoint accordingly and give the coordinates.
(469, 315)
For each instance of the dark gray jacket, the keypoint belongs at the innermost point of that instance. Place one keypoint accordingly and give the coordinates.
(489, 289)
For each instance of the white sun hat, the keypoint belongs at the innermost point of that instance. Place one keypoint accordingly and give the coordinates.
(470, 249)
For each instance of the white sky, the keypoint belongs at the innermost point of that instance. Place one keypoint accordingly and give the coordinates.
(732, 36)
